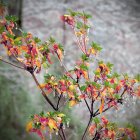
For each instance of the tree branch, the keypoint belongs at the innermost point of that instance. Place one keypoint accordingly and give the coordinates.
(57, 107)
(60, 135)
(97, 113)
(87, 105)
(12, 64)
(63, 133)
(43, 92)
(87, 127)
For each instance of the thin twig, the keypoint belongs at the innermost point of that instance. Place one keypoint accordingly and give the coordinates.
(60, 135)
(11, 64)
(59, 101)
(63, 133)
(97, 113)
(43, 92)
(77, 41)
(87, 105)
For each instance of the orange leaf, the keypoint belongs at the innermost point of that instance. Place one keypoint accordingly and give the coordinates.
(24, 48)
(59, 52)
(85, 75)
(101, 106)
(38, 64)
(42, 85)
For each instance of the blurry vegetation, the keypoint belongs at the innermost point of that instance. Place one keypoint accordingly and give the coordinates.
(15, 109)
(16, 106)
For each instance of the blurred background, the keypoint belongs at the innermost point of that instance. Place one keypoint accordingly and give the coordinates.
(115, 25)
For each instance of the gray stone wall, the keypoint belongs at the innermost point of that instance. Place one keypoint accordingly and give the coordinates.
(115, 23)
(116, 26)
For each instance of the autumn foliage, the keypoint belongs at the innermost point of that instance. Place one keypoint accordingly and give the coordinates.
(100, 86)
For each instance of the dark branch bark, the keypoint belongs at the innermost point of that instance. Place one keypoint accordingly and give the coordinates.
(87, 105)
(63, 133)
(12, 64)
(87, 128)
(57, 107)
(43, 93)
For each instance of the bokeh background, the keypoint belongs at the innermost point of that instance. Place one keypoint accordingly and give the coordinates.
(115, 25)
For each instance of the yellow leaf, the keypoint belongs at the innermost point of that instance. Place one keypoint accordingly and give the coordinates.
(78, 33)
(9, 53)
(61, 115)
(18, 39)
(52, 124)
(72, 103)
(92, 51)
(71, 87)
(20, 59)
(29, 126)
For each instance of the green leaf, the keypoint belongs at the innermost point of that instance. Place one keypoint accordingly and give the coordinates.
(45, 65)
(125, 75)
(107, 83)
(96, 46)
(87, 15)
(61, 47)
(1, 29)
(85, 57)
(96, 85)
(11, 18)
(100, 62)
(24, 34)
(109, 76)
(96, 73)
(32, 116)
(96, 120)
(137, 77)
(10, 35)
(37, 40)
(72, 13)
(83, 88)
(83, 67)
(37, 125)
(109, 65)
(112, 126)
(131, 126)
(86, 26)
(51, 40)
(27, 55)
(41, 113)
(115, 74)
(117, 96)
(79, 25)
(18, 41)
(114, 85)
